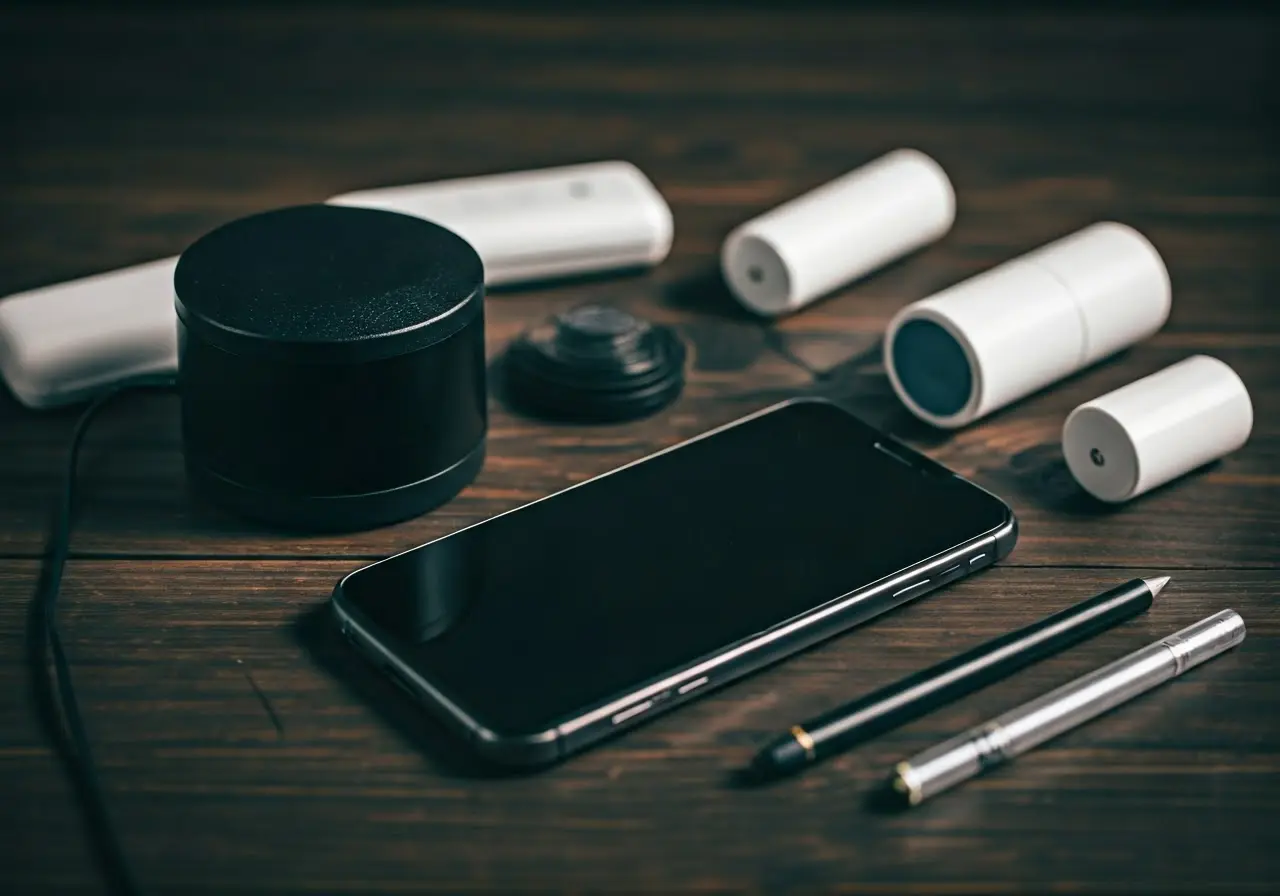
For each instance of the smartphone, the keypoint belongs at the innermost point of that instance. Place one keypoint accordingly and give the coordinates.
(547, 628)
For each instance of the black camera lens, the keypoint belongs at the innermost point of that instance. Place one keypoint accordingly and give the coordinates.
(594, 363)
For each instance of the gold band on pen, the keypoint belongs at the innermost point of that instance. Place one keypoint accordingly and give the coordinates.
(805, 741)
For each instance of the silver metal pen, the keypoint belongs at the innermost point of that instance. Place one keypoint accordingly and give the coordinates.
(1060, 710)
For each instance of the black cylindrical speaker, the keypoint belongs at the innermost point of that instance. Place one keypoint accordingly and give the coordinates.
(331, 366)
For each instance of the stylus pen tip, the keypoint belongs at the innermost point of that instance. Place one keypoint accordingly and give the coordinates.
(1156, 585)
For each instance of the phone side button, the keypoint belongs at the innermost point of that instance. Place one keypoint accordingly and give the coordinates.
(979, 560)
(913, 590)
(631, 712)
(692, 685)
(950, 575)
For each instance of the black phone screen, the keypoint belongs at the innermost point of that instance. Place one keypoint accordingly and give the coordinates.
(534, 616)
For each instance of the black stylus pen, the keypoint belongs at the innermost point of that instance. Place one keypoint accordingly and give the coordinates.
(924, 691)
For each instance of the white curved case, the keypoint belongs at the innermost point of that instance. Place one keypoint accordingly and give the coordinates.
(63, 343)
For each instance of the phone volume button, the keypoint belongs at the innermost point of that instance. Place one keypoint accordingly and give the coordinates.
(692, 685)
(912, 590)
(631, 712)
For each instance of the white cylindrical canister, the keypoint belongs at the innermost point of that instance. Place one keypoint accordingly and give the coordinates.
(1155, 429)
(975, 347)
(811, 245)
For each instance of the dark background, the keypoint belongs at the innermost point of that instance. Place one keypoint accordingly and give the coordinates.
(240, 747)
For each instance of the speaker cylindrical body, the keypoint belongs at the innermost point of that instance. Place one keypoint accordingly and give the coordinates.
(331, 366)
(975, 347)
(807, 247)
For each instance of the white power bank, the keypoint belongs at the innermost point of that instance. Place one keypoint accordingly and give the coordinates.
(64, 343)
(530, 225)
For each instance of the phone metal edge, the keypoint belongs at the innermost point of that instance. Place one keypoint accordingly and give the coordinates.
(727, 666)
(554, 743)
(527, 750)
(535, 750)
(817, 625)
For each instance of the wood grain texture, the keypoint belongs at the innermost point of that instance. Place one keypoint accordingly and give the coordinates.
(244, 746)
(245, 750)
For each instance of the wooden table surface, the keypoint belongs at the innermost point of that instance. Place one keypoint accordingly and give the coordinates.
(242, 749)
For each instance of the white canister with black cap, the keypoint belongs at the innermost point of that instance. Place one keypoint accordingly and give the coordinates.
(973, 348)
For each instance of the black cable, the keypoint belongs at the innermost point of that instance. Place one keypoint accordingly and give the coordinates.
(61, 711)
